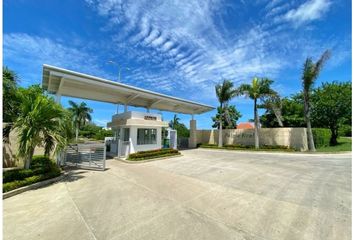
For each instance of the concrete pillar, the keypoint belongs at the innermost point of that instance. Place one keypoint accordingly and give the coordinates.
(125, 107)
(192, 133)
(117, 108)
(58, 98)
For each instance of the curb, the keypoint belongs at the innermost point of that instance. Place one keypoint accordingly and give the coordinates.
(33, 186)
(147, 160)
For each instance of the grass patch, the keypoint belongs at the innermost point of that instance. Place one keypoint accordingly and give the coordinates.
(42, 168)
(344, 145)
(251, 148)
(144, 155)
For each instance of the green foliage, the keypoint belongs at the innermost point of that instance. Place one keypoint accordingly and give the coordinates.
(94, 132)
(292, 112)
(10, 95)
(42, 168)
(345, 130)
(153, 154)
(332, 107)
(41, 122)
(344, 145)
(182, 130)
(321, 137)
(233, 115)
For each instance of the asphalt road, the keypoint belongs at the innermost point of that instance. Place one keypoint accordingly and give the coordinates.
(205, 194)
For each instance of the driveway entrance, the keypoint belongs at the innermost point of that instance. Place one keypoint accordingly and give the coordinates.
(205, 194)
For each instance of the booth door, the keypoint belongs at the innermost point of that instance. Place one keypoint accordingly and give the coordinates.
(125, 146)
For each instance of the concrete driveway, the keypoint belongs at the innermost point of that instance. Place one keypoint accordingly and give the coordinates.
(205, 194)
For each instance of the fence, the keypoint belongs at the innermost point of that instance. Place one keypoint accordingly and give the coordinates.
(88, 155)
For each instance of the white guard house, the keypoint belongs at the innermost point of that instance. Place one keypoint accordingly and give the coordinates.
(134, 131)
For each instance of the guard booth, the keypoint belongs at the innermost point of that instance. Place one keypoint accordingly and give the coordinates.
(134, 131)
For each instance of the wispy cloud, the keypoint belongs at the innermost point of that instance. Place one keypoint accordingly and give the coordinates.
(309, 11)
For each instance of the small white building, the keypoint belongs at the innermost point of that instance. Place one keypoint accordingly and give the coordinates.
(136, 131)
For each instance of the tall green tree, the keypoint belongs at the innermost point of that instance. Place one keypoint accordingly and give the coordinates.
(80, 114)
(224, 92)
(234, 116)
(273, 104)
(310, 73)
(41, 122)
(332, 106)
(174, 122)
(11, 100)
(258, 89)
(292, 113)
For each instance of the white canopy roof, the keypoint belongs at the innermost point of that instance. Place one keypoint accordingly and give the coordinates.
(64, 82)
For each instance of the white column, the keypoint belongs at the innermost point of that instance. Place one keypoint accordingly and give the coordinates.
(192, 133)
(57, 98)
(117, 111)
(125, 107)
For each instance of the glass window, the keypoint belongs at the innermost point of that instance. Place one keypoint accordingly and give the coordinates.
(146, 136)
(126, 134)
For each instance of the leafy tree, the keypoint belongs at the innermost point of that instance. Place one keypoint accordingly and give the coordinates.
(310, 73)
(224, 92)
(41, 122)
(258, 89)
(10, 100)
(93, 131)
(182, 130)
(292, 112)
(273, 104)
(234, 115)
(174, 122)
(332, 104)
(80, 114)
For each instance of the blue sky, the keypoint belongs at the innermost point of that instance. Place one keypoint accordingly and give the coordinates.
(181, 48)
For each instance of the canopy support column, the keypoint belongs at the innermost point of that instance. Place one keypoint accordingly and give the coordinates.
(192, 133)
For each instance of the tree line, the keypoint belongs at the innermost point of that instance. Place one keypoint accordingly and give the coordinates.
(327, 106)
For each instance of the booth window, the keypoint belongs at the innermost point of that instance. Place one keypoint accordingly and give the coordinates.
(126, 134)
(146, 136)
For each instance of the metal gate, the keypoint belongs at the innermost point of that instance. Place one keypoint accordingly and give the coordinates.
(87, 155)
(182, 142)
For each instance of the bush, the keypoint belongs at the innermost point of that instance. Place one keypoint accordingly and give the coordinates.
(153, 154)
(345, 131)
(42, 168)
(321, 137)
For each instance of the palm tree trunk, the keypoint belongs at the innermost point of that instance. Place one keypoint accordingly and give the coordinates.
(310, 141)
(77, 133)
(220, 127)
(256, 133)
(28, 159)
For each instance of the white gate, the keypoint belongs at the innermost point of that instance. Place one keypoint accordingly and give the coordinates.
(88, 155)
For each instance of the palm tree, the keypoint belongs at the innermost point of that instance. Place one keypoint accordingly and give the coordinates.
(41, 121)
(80, 114)
(309, 75)
(274, 104)
(224, 92)
(260, 88)
(174, 123)
(10, 101)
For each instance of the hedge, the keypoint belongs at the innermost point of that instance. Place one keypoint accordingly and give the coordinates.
(345, 131)
(153, 154)
(321, 137)
(42, 168)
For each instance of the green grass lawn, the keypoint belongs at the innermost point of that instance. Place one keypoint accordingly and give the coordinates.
(344, 144)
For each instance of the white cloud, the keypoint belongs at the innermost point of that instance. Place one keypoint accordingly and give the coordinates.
(309, 11)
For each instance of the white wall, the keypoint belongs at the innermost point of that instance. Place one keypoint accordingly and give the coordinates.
(292, 137)
(134, 147)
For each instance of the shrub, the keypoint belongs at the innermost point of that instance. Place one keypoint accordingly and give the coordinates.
(153, 154)
(321, 137)
(241, 146)
(42, 168)
(345, 131)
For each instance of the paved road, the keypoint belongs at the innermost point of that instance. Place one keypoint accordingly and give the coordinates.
(205, 194)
